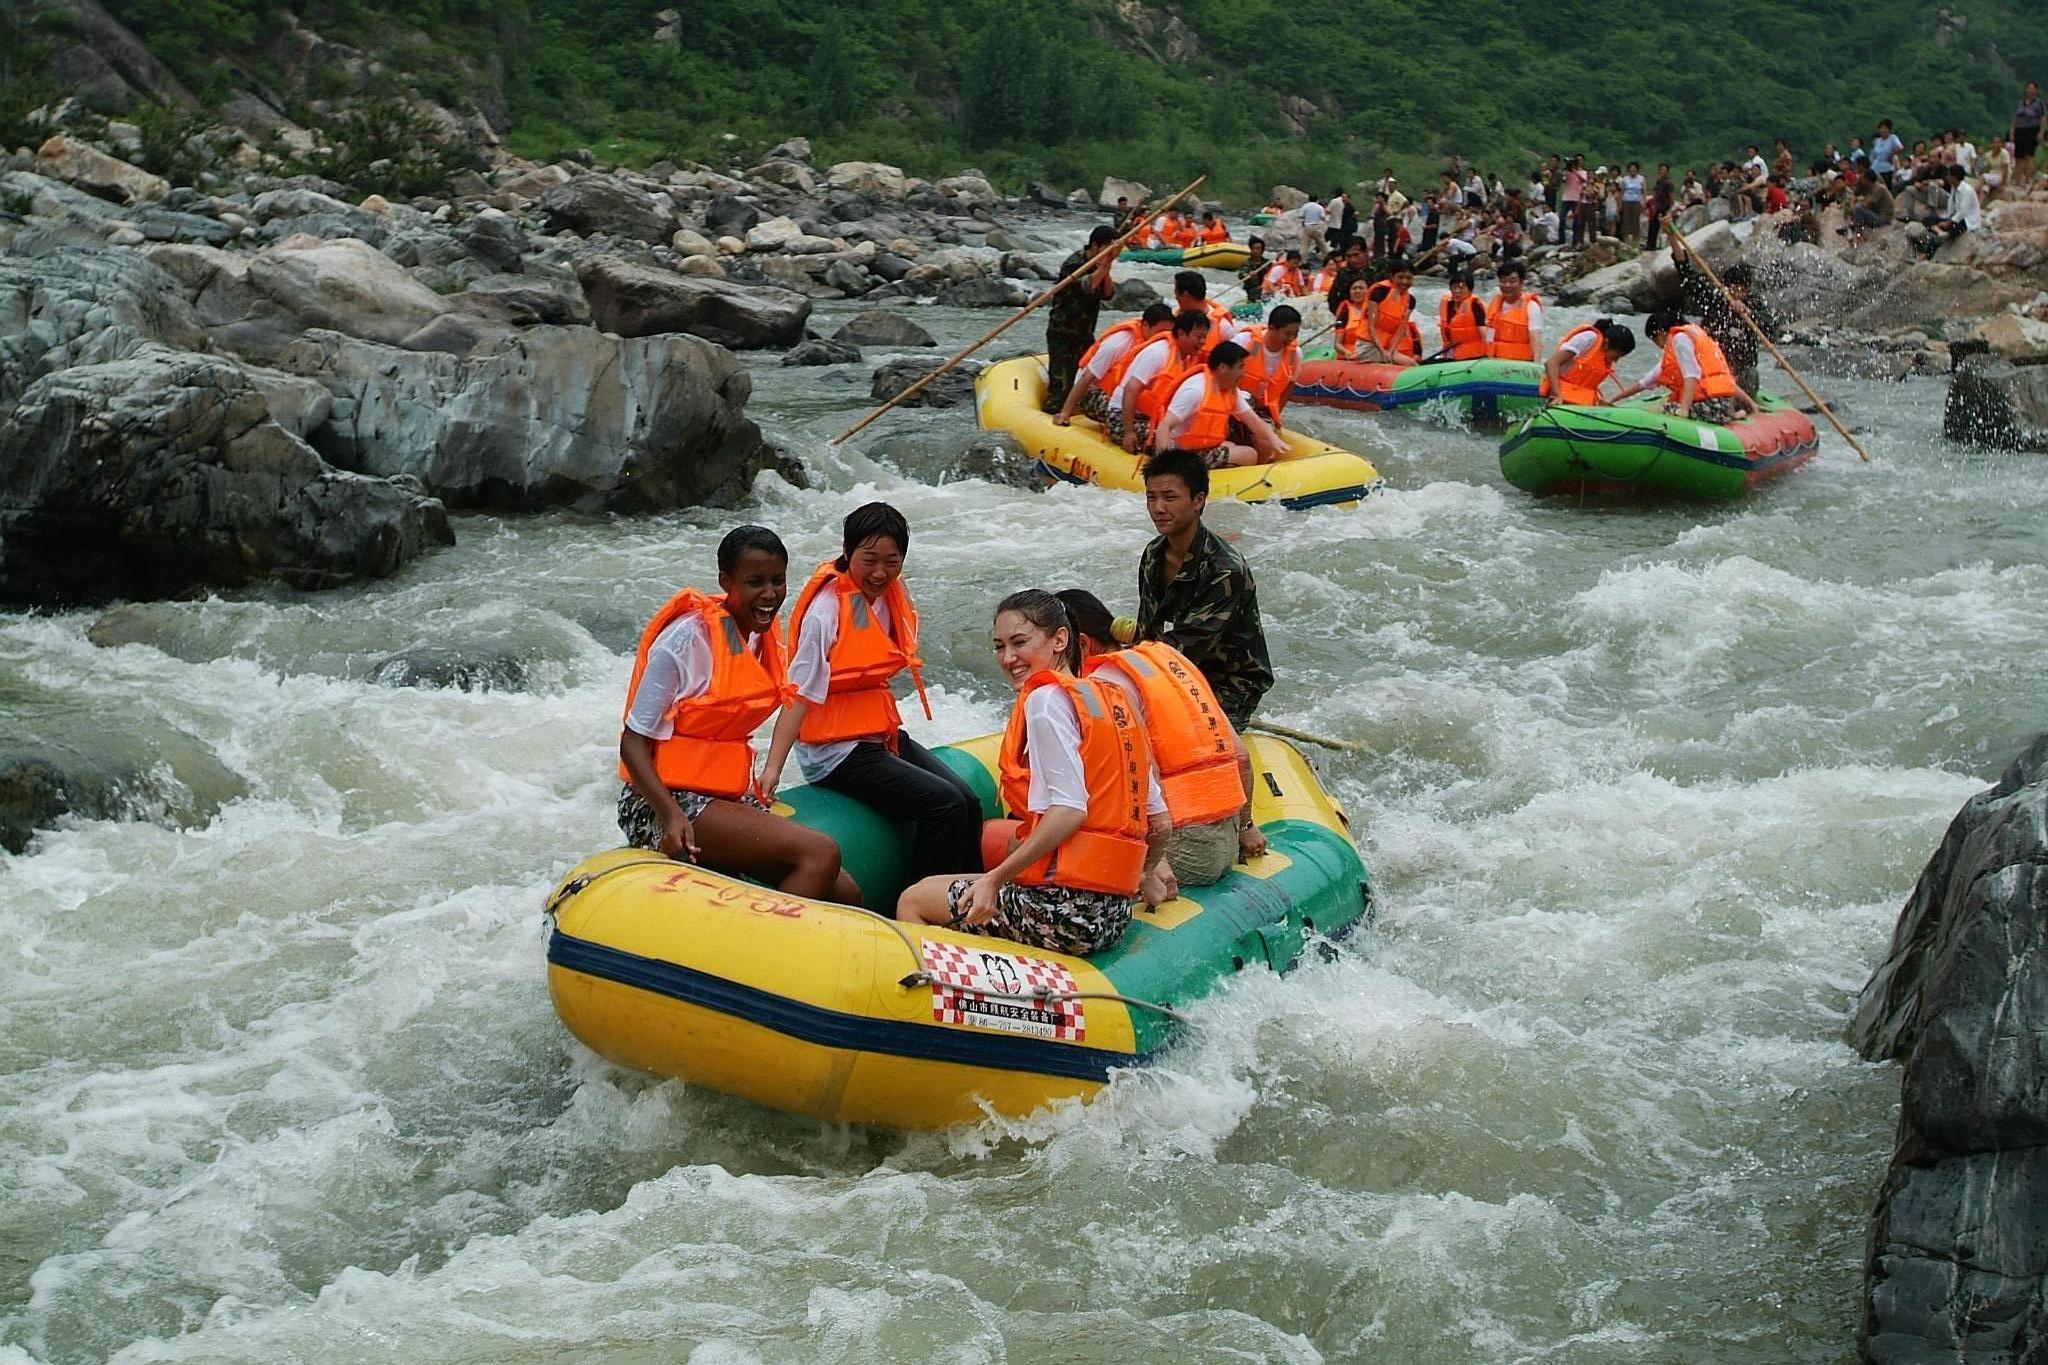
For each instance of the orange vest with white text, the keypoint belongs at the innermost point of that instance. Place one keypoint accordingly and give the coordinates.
(864, 657)
(709, 753)
(1268, 377)
(1716, 379)
(1393, 334)
(1133, 328)
(1512, 339)
(1210, 425)
(1192, 741)
(1581, 380)
(1108, 852)
(1153, 398)
(1463, 336)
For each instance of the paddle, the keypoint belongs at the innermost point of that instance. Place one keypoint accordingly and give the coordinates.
(1289, 732)
(1090, 264)
(1671, 226)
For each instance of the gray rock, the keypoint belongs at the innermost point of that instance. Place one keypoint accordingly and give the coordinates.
(550, 416)
(883, 327)
(163, 471)
(821, 351)
(261, 304)
(524, 300)
(1992, 402)
(728, 215)
(953, 390)
(1038, 192)
(985, 294)
(887, 265)
(96, 771)
(1114, 189)
(1133, 296)
(1628, 279)
(75, 306)
(1018, 266)
(168, 225)
(637, 301)
(1957, 1260)
(998, 457)
(466, 669)
(495, 239)
(601, 203)
(793, 149)
(848, 278)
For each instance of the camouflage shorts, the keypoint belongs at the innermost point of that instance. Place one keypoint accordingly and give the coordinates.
(1720, 411)
(1095, 403)
(1215, 457)
(1113, 422)
(1055, 917)
(642, 827)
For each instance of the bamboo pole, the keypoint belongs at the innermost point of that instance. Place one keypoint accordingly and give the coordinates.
(1289, 732)
(1671, 227)
(1139, 220)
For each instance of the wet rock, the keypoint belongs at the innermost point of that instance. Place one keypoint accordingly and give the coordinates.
(602, 203)
(998, 457)
(848, 278)
(995, 293)
(888, 266)
(821, 351)
(78, 163)
(1038, 192)
(637, 301)
(551, 416)
(2011, 336)
(1018, 266)
(955, 388)
(163, 471)
(109, 773)
(466, 669)
(1956, 1266)
(525, 300)
(1627, 279)
(883, 327)
(1994, 403)
(1134, 296)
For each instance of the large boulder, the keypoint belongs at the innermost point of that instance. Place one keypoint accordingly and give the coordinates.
(1956, 1266)
(494, 238)
(525, 300)
(1997, 404)
(637, 301)
(988, 293)
(1928, 291)
(260, 304)
(728, 215)
(591, 204)
(65, 158)
(883, 327)
(1114, 189)
(163, 472)
(871, 178)
(78, 765)
(784, 174)
(2016, 249)
(1624, 279)
(953, 389)
(2011, 336)
(80, 306)
(550, 416)
(971, 191)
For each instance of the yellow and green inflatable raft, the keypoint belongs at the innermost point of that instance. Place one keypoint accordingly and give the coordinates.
(1010, 396)
(841, 1015)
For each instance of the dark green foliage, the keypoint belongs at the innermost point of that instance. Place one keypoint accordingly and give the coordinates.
(831, 75)
(24, 48)
(384, 146)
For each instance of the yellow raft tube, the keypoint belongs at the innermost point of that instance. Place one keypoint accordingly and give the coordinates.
(831, 1012)
(1010, 396)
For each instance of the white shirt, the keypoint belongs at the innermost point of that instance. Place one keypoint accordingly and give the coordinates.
(810, 672)
(1052, 744)
(1107, 355)
(1312, 214)
(1963, 206)
(1144, 369)
(1966, 157)
(1578, 346)
(1632, 189)
(678, 667)
(1756, 163)
(1188, 398)
(1688, 359)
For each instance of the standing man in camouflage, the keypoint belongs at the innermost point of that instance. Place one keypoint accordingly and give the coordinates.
(1070, 317)
(1195, 591)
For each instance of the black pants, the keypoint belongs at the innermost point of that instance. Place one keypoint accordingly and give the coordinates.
(912, 787)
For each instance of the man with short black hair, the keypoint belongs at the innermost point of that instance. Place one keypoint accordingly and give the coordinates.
(1070, 317)
(1195, 591)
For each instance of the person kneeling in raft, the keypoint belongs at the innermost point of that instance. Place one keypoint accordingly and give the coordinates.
(1694, 371)
(707, 672)
(1076, 771)
(856, 630)
(1204, 770)
(1584, 361)
(1208, 410)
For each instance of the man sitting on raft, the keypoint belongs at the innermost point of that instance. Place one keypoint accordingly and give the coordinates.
(1102, 368)
(1584, 361)
(1076, 773)
(1208, 411)
(707, 672)
(1151, 377)
(1205, 771)
(1693, 371)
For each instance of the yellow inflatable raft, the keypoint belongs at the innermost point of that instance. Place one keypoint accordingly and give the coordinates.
(838, 1014)
(1010, 396)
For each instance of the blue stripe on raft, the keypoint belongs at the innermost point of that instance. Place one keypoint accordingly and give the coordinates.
(830, 1028)
(1387, 400)
(1663, 441)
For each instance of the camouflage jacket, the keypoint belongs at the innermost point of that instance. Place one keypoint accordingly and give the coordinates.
(1073, 313)
(1209, 612)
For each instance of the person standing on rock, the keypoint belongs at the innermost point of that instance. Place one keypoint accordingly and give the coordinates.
(1070, 317)
(2026, 136)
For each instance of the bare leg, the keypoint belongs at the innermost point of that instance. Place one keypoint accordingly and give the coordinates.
(927, 901)
(753, 843)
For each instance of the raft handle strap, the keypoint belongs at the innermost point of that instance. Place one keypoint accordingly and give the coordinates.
(576, 886)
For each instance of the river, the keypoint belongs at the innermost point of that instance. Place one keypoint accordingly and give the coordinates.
(1643, 789)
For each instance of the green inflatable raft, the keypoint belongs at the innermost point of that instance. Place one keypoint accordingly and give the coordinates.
(1638, 450)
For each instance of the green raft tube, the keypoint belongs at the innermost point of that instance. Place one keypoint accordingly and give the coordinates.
(1638, 450)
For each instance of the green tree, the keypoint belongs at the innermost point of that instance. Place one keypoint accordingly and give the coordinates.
(831, 75)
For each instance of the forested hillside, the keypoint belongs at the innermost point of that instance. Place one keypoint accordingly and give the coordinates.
(1254, 91)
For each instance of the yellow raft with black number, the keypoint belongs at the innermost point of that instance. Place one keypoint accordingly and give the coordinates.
(1010, 396)
(839, 1014)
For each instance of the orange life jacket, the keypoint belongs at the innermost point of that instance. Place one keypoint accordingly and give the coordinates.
(1210, 426)
(1462, 334)
(1108, 852)
(1268, 378)
(1216, 232)
(1178, 231)
(1393, 334)
(1352, 332)
(1323, 279)
(1580, 383)
(1153, 398)
(864, 657)
(1192, 740)
(1512, 339)
(1220, 321)
(708, 752)
(1716, 379)
(1134, 328)
(1284, 280)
